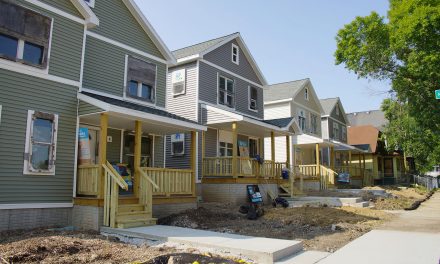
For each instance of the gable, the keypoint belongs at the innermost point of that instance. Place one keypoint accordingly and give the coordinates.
(341, 115)
(119, 24)
(222, 56)
(312, 103)
(64, 5)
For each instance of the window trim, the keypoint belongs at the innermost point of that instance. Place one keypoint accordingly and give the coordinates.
(172, 146)
(126, 81)
(306, 94)
(218, 90)
(303, 116)
(226, 148)
(90, 3)
(336, 128)
(250, 99)
(237, 55)
(27, 168)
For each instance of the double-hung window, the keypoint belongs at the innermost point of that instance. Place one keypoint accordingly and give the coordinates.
(302, 120)
(24, 35)
(225, 149)
(336, 131)
(313, 124)
(178, 144)
(226, 91)
(41, 138)
(253, 98)
(235, 54)
(141, 78)
(306, 94)
(344, 133)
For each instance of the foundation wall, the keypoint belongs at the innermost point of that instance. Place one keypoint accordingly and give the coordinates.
(14, 219)
(234, 193)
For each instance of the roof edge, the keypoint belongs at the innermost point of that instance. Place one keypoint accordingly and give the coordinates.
(90, 17)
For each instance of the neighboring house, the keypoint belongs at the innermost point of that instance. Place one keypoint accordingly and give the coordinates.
(385, 167)
(217, 83)
(109, 88)
(374, 118)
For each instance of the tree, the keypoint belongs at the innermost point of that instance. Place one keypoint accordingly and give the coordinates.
(403, 48)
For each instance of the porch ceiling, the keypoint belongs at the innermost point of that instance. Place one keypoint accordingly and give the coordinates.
(305, 140)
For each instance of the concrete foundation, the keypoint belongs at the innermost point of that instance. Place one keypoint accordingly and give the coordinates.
(163, 210)
(14, 219)
(234, 193)
(309, 185)
(88, 217)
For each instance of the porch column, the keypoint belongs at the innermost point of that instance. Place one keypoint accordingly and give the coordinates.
(332, 158)
(349, 161)
(272, 151)
(288, 152)
(203, 153)
(194, 161)
(318, 171)
(234, 150)
(102, 151)
(137, 156)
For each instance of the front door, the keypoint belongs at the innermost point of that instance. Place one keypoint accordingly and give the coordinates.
(388, 167)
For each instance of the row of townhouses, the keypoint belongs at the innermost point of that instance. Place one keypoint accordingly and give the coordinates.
(102, 125)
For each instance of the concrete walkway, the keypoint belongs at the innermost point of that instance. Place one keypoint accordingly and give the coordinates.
(413, 237)
(262, 250)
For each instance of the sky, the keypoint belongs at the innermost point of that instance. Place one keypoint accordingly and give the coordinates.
(289, 39)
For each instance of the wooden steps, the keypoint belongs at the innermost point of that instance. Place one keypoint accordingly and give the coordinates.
(133, 214)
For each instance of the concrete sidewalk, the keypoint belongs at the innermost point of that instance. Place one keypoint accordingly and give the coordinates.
(413, 237)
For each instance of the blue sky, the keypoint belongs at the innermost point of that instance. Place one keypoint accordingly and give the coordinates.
(289, 39)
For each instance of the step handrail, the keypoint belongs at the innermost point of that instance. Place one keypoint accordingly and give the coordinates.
(148, 178)
(112, 181)
(115, 175)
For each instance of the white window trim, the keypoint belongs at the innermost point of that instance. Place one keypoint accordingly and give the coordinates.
(249, 100)
(172, 146)
(218, 91)
(237, 55)
(91, 3)
(306, 94)
(26, 161)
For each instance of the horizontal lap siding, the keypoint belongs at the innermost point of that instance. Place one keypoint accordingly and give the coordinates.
(179, 162)
(114, 147)
(158, 152)
(184, 105)
(208, 90)
(117, 23)
(39, 95)
(85, 108)
(211, 143)
(222, 57)
(104, 69)
(66, 45)
(64, 5)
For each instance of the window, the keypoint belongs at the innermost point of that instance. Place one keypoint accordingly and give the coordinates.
(24, 35)
(253, 147)
(253, 98)
(178, 81)
(225, 149)
(344, 133)
(41, 137)
(306, 93)
(335, 131)
(235, 54)
(178, 144)
(302, 120)
(313, 124)
(141, 78)
(226, 91)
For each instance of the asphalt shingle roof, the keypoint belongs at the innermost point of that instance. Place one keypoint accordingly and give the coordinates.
(328, 104)
(280, 122)
(374, 118)
(133, 106)
(282, 91)
(198, 48)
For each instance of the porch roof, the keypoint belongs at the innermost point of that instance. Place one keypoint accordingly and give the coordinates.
(223, 119)
(340, 146)
(123, 113)
(310, 140)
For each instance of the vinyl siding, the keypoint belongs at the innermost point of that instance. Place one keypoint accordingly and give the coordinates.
(280, 149)
(117, 23)
(211, 142)
(39, 95)
(104, 69)
(332, 135)
(325, 128)
(222, 57)
(179, 162)
(114, 147)
(339, 117)
(64, 5)
(275, 111)
(184, 105)
(85, 108)
(208, 91)
(158, 152)
(63, 62)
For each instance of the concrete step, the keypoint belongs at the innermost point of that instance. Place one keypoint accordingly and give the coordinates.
(329, 201)
(361, 204)
(304, 257)
(130, 208)
(262, 250)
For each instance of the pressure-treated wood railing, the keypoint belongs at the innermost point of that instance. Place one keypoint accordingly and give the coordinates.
(88, 180)
(327, 177)
(112, 182)
(246, 167)
(170, 181)
(146, 190)
(324, 175)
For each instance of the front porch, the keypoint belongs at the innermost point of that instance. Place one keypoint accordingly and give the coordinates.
(126, 177)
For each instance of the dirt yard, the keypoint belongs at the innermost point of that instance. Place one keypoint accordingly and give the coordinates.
(401, 197)
(43, 246)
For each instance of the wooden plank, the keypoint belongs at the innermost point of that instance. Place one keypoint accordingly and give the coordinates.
(137, 155)
(234, 149)
(318, 171)
(193, 161)
(103, 149)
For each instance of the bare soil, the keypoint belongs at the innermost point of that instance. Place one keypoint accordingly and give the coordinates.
(43, 246)
(322, 228)
(401, 197)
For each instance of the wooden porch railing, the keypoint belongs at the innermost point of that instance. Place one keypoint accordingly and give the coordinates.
(170, 181)
(326, 176)
(112, 182)
(146, 186)
(354, 171)
(246, 167)
(88, 180)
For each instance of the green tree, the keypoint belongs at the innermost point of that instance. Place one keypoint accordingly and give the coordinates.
(403, 48)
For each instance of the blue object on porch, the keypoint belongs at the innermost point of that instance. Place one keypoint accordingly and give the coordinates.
(344, 177)
(123, 171)
(285, 174)
(259, 159)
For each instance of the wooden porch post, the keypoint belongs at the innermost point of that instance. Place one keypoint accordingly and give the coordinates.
(203, 152)
(360, 166)
(318, 171)
(193, 161)
(332, 158)
(137, 156)
(102, 151)
(288, 152)
(349, 161)
(234, 150)
(272, 152)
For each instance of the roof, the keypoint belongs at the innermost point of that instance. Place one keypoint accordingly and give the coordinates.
(84, 9)
(375, 118)
(137, 107)
(197, 51)
(280, 122)
(286, 90)
(365, 147)
(328, 104)
(200, 47)
(362, 135)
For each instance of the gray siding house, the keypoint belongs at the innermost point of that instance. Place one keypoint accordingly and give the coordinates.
(217, 83)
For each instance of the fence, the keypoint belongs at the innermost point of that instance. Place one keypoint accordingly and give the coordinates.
(428, 181)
